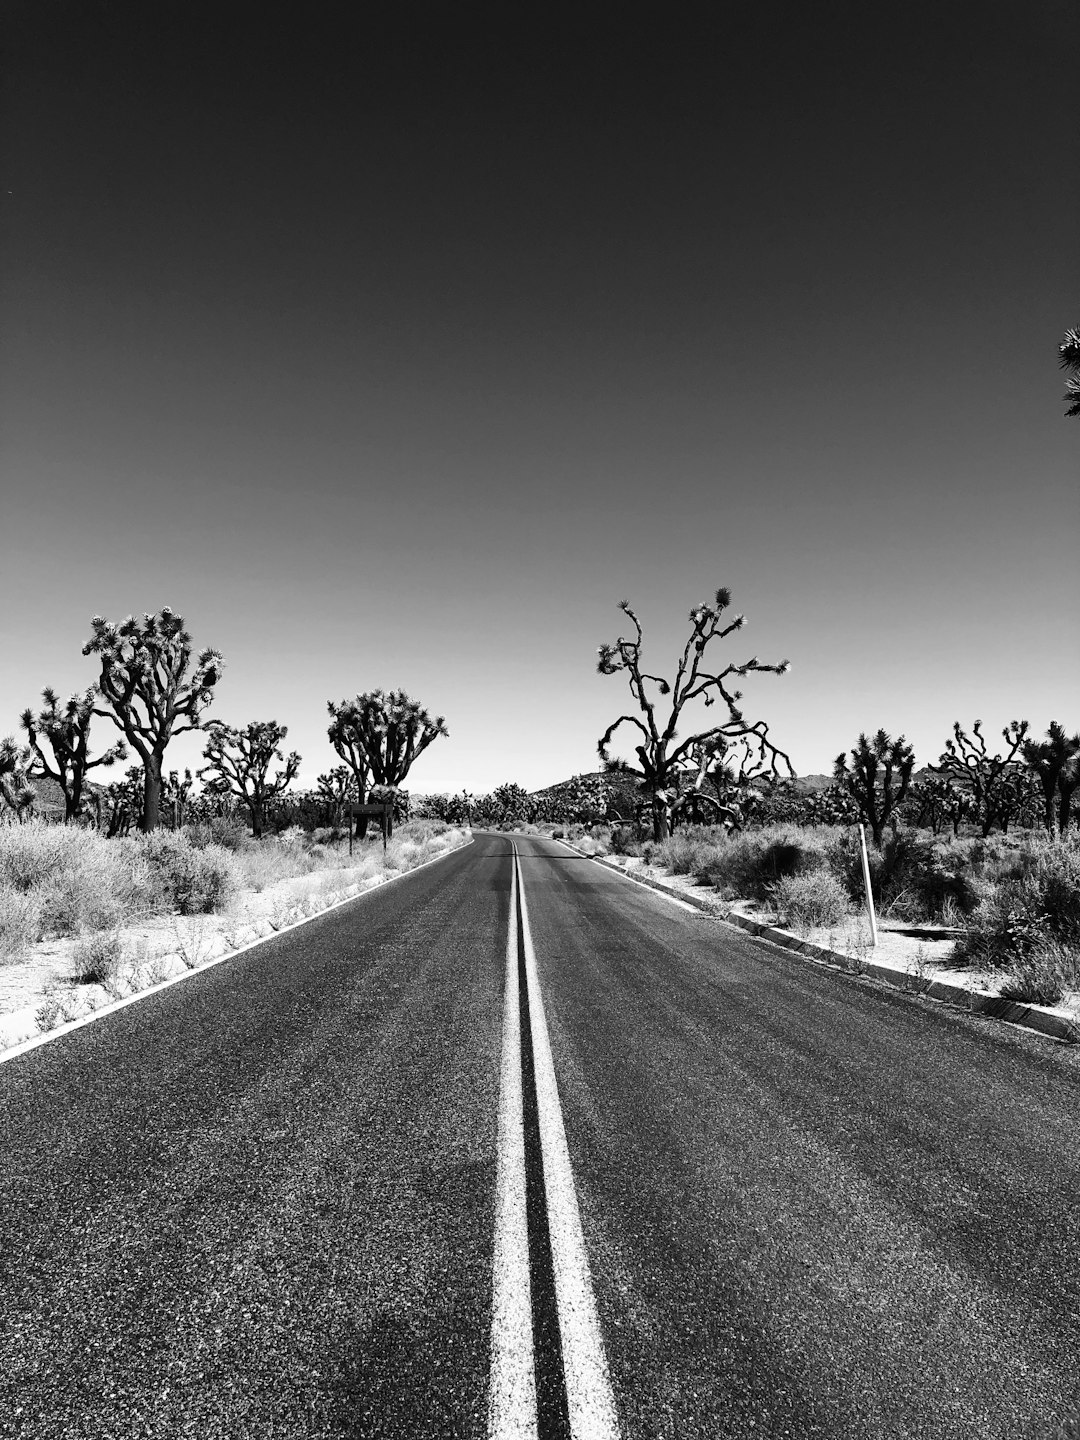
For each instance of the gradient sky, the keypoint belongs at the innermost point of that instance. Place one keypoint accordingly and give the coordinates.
(396, 354)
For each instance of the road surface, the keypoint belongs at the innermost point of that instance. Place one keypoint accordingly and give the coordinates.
(514, 1147)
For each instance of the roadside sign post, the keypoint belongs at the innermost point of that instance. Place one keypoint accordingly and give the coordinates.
(385, 813)
(866, 883)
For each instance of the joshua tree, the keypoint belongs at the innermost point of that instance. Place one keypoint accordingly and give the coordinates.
(380, 736)
(145, 680)
(335, 789)
(878, 779)
(67, 729)
(663, 763)
(988, 779)
(937, 799)
(16, 792)
(512, 802)
(240, 760)
(1050, 759)
(1069, 352)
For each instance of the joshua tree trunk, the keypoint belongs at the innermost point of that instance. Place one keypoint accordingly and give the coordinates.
(151, 816)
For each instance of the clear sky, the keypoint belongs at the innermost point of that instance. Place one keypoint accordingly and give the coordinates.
(397, 354)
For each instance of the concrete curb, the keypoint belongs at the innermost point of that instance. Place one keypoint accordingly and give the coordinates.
(55, 1034)
(991, 1007)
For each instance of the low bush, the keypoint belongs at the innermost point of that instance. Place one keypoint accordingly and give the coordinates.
(746, 865)
(811, 899)
(20, 922)
(190, 880)
(1038, 902)
(1048, 973)
(79, 880)
(98, 957)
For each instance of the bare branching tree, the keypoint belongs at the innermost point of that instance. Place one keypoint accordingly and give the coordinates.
(239, 761)
(66, 728)
(148, 681)
(990, 780)
(666, 764)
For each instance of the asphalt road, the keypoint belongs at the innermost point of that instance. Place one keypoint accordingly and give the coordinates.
(262, 1203)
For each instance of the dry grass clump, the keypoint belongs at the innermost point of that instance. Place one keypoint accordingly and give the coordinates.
(813, 899)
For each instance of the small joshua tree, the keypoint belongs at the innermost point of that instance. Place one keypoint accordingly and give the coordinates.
(990, 780)
(334, 790)
(1069, 354)
(66, 727)
(239, 763)
(380, 736)
(663, 764)
(145, 679)
(878, 779)
(1050, 760)
(16, 792)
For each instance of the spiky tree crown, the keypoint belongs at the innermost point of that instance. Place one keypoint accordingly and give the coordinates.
(145, 676)
(382, 733)
(243, 757)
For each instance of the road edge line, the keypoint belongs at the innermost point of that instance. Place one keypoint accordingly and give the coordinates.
(590, 1398)
(512, 1411)
(24, 1046)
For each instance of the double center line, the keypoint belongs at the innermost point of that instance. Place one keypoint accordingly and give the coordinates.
(549, 1377)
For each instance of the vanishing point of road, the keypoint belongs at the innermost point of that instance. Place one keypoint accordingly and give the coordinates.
(515, 1148)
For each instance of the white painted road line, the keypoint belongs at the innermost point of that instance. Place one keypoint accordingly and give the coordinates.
(589, 1396)
(512, 1397)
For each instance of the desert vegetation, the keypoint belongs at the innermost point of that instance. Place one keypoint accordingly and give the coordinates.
(981, 840)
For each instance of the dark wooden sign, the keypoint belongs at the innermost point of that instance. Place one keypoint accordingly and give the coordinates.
(384, 810)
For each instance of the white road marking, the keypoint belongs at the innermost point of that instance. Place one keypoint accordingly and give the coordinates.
(590, 1400)
(512, 1397)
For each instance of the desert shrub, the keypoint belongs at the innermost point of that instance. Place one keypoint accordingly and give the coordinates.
(98, 957)
(623, 842)
(748, 864)
(688, 852)
(1054, 865)
(20, 922)
(80, 880)
(1037, 902)
(1008, 924)
(1050, 970)
(224, 830)
(812, 898)
(191, 880)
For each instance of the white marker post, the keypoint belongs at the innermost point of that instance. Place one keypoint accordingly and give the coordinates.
(866, 883)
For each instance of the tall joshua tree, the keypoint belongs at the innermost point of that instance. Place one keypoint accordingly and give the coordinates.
(239, 764)
(148, 680)
(66, 727)
(1050, 759)
(664, 766)
(878, 779)
(380, 736)
(1069, 353)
